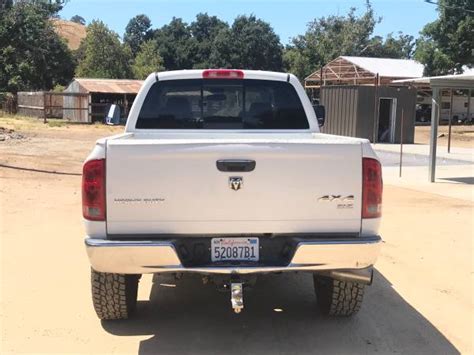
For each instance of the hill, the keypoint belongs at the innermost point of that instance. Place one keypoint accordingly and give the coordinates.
(72, 32)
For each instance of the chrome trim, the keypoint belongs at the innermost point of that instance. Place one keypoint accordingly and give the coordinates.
(342, 254)
(148, 256)
(129, 257)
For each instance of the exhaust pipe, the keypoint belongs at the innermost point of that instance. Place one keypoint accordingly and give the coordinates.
(363, 276)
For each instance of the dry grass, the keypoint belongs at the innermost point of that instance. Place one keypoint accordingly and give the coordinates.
(54, 127)
(72, 32)
(23, 123)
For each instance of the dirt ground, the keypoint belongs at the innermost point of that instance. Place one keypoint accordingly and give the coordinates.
(461, 136)
(420, 303)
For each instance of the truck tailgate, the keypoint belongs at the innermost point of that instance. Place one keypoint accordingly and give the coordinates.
(173, 186)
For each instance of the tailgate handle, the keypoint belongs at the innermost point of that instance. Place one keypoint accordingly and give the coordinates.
(235, 165)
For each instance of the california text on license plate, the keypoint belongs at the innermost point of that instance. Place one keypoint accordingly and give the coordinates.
(241, 249)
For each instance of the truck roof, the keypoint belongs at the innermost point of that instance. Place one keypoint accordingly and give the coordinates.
(198, 74)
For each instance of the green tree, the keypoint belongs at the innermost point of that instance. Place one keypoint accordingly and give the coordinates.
(147, 61)
(204, 31)
(78, 19)
(254, 45)
(5, 4)
(32, 55)
(447, 44)
(175, 45)
(210, 43)
(222, 50)
(103, 54)
(329, 37)
(137, 32)
(52, 6)
(400, 47)
(296, 62)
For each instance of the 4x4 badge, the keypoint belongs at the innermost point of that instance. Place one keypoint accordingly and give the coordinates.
(336, 198)
(341, 202)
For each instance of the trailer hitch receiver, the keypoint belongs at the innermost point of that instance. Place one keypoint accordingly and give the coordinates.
(237, 296)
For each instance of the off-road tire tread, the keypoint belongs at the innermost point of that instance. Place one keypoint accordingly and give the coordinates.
(114, 295)
(338, 298)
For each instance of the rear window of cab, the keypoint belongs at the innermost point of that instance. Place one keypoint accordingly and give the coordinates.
(222, 104)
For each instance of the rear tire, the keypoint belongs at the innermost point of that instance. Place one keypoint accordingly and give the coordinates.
(114, 295)
(338, 298)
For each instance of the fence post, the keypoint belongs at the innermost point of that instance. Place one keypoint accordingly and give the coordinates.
(450, 120)
(44, 107)
(376, 110)
(401, 144)
(90, 108)
(435, 109)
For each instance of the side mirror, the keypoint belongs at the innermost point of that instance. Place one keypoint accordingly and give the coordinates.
(320, 112)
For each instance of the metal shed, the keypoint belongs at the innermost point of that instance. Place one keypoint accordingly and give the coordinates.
(100, 94)
(375, 113)
(362, 101)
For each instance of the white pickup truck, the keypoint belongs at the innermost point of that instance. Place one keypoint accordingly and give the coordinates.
(224, 173)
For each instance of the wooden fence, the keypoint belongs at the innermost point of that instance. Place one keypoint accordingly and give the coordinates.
(72, 106)
(8, 103)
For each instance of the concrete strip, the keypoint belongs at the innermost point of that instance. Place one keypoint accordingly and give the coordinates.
(457, 153)
(455, 181)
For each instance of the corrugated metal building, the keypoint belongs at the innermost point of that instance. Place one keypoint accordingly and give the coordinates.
(351, 111)
(362, 101)
(101, 93)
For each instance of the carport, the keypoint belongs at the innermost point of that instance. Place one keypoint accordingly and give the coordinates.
(438, 83)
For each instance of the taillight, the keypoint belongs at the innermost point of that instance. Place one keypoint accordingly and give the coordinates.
(93, 190)
(372, 187)
(222, 74)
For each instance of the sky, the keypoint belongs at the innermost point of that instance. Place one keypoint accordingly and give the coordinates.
(288, 18)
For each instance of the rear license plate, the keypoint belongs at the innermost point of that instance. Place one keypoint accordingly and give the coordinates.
(238, 249)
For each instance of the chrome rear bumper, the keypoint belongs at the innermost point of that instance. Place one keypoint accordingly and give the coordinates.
(144, 257)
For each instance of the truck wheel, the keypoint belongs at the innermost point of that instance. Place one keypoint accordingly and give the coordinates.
(114, 295)
(338, 298)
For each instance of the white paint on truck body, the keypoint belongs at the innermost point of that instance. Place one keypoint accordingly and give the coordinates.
(280, 196)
